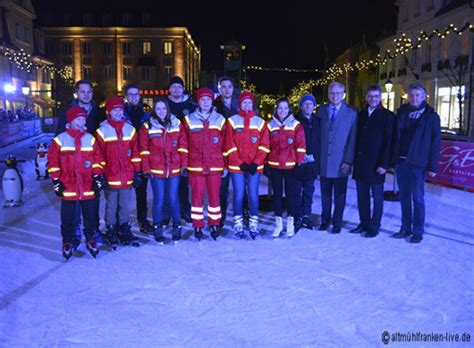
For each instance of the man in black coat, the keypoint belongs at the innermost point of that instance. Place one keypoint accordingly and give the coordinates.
(372, 159)
(137, 116)
(418, 142)
(307, 173)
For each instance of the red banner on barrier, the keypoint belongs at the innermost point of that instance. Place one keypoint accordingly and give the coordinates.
(456, 164)
(11, 132)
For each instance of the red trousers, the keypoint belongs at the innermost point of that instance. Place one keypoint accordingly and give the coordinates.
(199, 184)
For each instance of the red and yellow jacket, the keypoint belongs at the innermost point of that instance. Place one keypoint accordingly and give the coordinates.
(71, 158)
(206, 136)
(164, 150)
(246, 141)
(287, 143)
(117, 156)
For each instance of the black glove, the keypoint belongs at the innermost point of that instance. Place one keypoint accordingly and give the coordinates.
(253, 168)
(58, 187)
(99, 183)
(137, 179)
(244, 167)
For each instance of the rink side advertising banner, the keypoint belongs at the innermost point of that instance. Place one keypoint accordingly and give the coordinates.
(15, 131)
(456, 164)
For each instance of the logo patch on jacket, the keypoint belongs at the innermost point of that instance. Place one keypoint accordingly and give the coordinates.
(175, 143)
(87, 164)
(253, 139)
(290, 140)
(129, 152)
(215, 140)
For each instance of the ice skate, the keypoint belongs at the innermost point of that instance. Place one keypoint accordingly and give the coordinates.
(278, 227)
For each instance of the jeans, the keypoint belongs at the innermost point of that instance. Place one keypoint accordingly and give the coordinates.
(411, 182)
(170, 188)
(239, 182)
(304, 197)
(224, 195)
(339, 187)
(363, 204)
(277, 177)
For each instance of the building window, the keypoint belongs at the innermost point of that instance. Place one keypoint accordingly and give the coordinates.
(168, 72)
(107, 48)
(126, 19)
(27, 35)
(67, 48)
(146, 47)
(86, 72)
(417, 8)
(388, 98)
(147, 102)
(127, 73)
(126, 48)
(448, 106)
(146, 18)
(168, 47)
(87, 19)
(86, 48)
(145, 72)
(107, 19)
(107, 72)
(428, 53)
(46, 76)
(18, 31)
(67, 19)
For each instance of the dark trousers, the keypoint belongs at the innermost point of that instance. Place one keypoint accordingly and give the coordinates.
(304, 197)
(77, 217)
(287, 177)
(140, 194)
(224, 196)
(363, 203)
(338, 186)
(411, 182)
(184, 204)
(69, 221)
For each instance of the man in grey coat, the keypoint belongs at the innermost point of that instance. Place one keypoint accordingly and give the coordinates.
(337, 142)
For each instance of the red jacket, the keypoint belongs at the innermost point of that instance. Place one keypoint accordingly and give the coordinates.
(118, 157)
(163, 149)
(205, 142)
(287, 143)
(71, 160)
(246, 141)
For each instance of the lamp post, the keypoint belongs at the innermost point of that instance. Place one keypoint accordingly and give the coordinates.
(26, 91)
(388, 88)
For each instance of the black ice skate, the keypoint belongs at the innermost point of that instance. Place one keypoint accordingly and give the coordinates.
(176, 232)
(126, 236)
(198, 233)
(111, 236)
(158, 233)
(67, 250)
(92, 248)
(214, 232)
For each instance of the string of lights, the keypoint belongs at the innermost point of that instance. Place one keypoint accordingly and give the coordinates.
(288, 70)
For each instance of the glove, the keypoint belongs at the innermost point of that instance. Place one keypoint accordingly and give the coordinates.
(244, 167)
(99, 183)
(253, 168)
(224, 173)
(137, 179)
(58, 187)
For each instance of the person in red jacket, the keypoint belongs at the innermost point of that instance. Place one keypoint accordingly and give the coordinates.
(164, 148)
(120, 163)
(247, 146)
(71, 161)
(205, 129)
(287, 150)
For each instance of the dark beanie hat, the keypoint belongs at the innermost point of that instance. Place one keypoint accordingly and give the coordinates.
(176, 79)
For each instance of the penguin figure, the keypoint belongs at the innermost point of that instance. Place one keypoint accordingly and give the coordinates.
(12, 183)
(41, 161)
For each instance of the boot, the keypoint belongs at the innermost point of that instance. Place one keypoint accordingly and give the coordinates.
(67, 250)
(99, 237)
(91, 246)
(214, 232)
(278, 227)
(158, 233)
(290, 226)
(145, 226)
(298, 224)
(308, 223)
(239, 226)
(176, 232)
(125, 234)
(111, 235)
(253, 226)
(198, 233)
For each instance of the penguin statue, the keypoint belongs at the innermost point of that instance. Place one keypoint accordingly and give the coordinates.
(12, 183)
(41, 161)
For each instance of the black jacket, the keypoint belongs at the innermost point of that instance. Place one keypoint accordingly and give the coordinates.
(309, 171)
(425, 146)
(136, 115)
(224, 110)
(94, 118)
(183, 108)
(373, 145)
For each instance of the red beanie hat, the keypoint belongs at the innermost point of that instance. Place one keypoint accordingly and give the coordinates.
(75, 112)
(114, 102)
(204, 92)
(244, 96)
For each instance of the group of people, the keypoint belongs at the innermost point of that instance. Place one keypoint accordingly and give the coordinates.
(206, 143)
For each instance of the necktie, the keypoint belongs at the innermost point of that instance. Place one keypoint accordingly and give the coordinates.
(333, 115)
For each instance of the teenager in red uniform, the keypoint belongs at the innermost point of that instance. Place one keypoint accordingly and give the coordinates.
(120, 163)
(205, 129)
(164, 148)
(287, 150)
(71, 161)
(246, 147)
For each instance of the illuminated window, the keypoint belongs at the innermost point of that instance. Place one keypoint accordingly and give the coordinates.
(147, 102)
(388, 98)
(168, 47)
(448, 106)
(168, 72)
(146, 47)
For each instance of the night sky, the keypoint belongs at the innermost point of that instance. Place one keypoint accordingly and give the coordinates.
(290, 36)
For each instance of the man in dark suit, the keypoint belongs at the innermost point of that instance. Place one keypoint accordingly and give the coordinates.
(371, 160)
(338, 128)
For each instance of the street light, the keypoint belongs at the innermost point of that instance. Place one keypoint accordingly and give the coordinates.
(388, 88)
(26, 91)
(9, 88)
